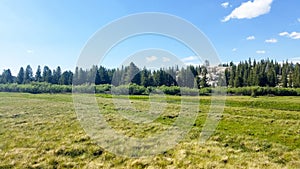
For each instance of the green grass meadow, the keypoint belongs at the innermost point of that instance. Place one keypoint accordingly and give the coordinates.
(42, 131)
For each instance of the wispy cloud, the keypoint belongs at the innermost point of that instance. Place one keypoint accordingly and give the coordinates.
(298, 19)
(260, 52)
(272, 40)
(190, 58)
(234, 50)
(151, 58)
(225, 4)
(250, 38)
(283, 34)
(29, 51)
(250, 9)
(292, 35)
(192, 64)
(166, 59)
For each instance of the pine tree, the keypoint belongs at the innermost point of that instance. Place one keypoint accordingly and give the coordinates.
(82, 76)
(66, 78)
(284, 79)
(97, 78)
(271, 77)
(145, 77)
(28, 74)
(232, 75)
(296, 75)
(290, 82)
(20, 77)
(203, 80)
(6, 76)
(197, 82)
(103, 74)
(47, 75)
(38, 76)
(132, 74)
(56, 75)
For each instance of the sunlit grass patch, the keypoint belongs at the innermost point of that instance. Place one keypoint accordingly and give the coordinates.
(42, 131)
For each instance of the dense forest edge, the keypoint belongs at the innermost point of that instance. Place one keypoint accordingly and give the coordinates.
(255, 78)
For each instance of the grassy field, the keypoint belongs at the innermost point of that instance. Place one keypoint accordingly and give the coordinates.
(42, 131)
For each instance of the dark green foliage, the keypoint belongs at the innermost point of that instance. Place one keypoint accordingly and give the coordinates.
(56, 75)
(66, 78)
(131, 89)
(262, 91)
(20, 77)
(28, 77)
(6, 77)
(265, 73)
(38, 74)
(172, 90)
(296, 75)
(47, 75)
(35, 88)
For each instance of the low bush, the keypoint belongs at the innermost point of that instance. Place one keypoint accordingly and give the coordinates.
(134, 89)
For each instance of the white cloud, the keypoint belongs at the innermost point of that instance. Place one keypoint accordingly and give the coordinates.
(151, 58)
(295, 35)
(272, 40)
(191, 64)
(260, 52)
(250, 38)
(250, 10)
(234, 50)
(283, 34)
(165, 59)
(225, 4)
(298, 19)
(190, 58)
(292, 35)
(30, 51)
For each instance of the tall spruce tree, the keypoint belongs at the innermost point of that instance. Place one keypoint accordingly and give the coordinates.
(20, 77)
(28, 74)
(38, 74)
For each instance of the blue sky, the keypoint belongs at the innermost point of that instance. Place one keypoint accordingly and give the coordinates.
(54, 32)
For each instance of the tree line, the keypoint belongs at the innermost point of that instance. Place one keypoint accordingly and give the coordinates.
(264, 73)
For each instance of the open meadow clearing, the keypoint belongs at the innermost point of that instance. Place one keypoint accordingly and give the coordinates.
(42, 131)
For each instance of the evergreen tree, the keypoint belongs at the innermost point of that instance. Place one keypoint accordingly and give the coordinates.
(66, 78)
(271, 77)
(145, 77)
(97, 78)
(82, 76)
(132, 74)
(75, 76)
(38, 76)
(284, 73)
(197, 82)
(28, 74)
(47, 75)
(238, 80)
(103, 73)
(290, 79)
(20, 77)
(296, 75)
(6, 76)
(232, 74)
(203, 80)
(56, 75)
